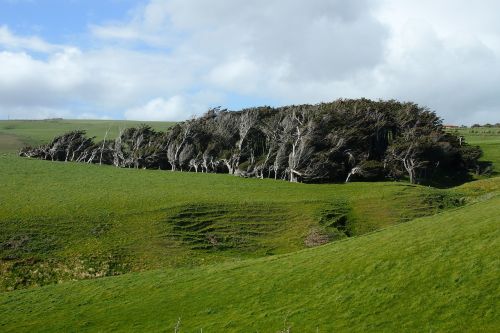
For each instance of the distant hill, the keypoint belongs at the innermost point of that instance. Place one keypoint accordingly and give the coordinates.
(37, 132)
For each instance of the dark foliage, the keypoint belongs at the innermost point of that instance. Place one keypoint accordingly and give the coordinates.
(338, 141)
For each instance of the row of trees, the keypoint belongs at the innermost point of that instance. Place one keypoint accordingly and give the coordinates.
(338, 141)
(488, 125)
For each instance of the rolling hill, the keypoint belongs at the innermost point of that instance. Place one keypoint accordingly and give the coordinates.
(64, 221)
(97, 248)
(437, 273)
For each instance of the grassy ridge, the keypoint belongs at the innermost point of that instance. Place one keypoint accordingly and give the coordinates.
(437, 273)
(65, 221)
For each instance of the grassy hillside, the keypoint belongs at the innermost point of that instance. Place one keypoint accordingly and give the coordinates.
(63, 221)
(230, 254)
(15, 134)
(434, 274)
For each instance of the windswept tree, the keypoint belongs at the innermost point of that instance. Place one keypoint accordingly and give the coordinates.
(343, 140)
(68, 147)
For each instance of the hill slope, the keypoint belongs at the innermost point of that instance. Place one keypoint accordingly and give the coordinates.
(64, 221)
(438, 273)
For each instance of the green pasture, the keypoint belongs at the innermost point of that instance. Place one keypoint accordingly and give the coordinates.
(63, 221)
(433, 274)
(488, 138)
(15, 134)
(97, 248)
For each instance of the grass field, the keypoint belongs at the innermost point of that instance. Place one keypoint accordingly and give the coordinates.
(230, 254)
(65, 221)
(435, 274)
(489, 141)
(15, 134)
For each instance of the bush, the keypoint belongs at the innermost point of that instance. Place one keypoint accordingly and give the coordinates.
(470, 155)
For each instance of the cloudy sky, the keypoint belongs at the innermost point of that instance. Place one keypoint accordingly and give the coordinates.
(172, 59)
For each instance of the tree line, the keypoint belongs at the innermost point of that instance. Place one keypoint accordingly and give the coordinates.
(344, 140)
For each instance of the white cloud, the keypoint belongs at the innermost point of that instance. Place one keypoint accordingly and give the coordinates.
(174, 108)
(26, 81)
(317, 41)
(10, 41)
(90, 115)
(111, 80)
(34, 112)
(177, 107)
(444, 54)
(149, 23)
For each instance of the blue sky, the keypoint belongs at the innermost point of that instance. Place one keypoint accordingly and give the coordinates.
(60, 21)
(172, 59)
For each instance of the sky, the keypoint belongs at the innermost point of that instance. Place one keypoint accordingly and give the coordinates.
(174, 59)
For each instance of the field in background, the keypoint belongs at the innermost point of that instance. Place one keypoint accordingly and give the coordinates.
(14, 134)
(488, 138)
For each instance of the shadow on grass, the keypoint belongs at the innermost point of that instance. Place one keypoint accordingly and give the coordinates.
(443, 180)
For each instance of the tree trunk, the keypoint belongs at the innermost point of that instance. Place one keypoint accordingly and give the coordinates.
(103, 143)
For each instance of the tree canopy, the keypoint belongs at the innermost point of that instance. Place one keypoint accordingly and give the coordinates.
(344, 140)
